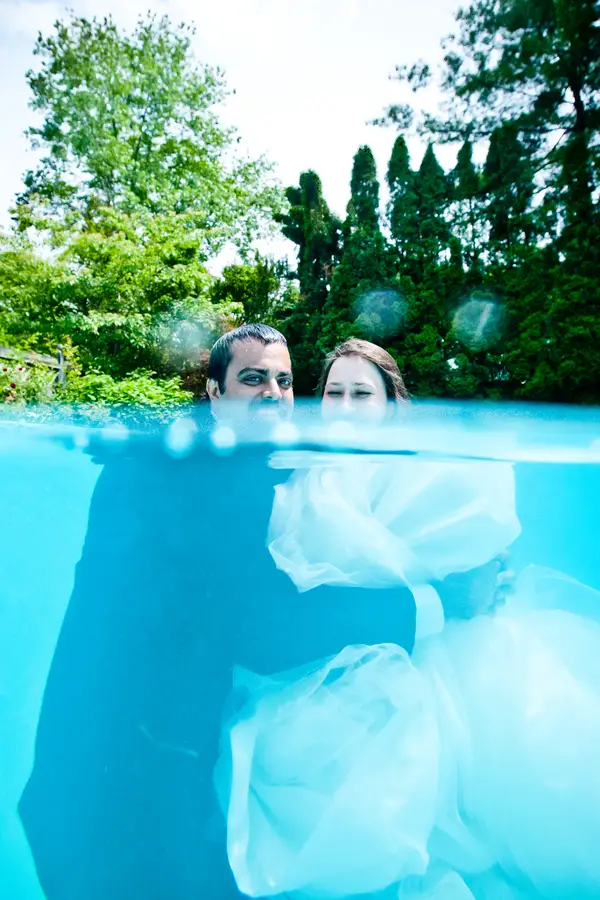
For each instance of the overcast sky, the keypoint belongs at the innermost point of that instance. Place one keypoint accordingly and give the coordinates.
(308, 74)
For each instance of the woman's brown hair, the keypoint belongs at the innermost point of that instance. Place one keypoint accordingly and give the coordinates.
(386, 364)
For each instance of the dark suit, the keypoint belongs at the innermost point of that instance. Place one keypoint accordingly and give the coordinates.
(174, 587)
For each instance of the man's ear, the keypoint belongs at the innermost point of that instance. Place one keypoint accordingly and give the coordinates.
(212, 389)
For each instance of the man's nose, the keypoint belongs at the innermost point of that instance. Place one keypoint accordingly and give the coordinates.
(272, 390)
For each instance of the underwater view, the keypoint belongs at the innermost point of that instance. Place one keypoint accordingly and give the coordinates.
(306, 659)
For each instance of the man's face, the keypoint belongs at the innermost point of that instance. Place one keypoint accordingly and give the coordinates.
(258, 383)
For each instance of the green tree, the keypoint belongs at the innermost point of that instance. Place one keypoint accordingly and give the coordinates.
(402, 217)
(467, 218)
(365, 262)
(433, 202)
(509, 188)
(523, 77)
(139, 186)
(258, 289)
(130, 122)
(534, 67)
(125, 299)
(316, 233)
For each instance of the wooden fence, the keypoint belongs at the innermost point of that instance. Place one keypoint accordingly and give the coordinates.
(29, 358)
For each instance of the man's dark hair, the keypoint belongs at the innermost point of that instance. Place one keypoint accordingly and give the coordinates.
(221, 353)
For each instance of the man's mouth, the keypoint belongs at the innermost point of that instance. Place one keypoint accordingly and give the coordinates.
(267, 409)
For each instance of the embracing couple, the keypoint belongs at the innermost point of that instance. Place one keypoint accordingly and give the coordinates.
(197, 570)
(250, 373)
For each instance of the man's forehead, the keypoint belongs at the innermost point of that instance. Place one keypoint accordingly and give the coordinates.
(255, 354)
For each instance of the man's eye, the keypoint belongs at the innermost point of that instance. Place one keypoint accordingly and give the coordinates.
(285, 382)
(253, 379)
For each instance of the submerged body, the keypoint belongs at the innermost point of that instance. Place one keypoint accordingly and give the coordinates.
(468, 770)
(175, 587)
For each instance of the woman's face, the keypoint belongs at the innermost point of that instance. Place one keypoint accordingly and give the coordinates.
(354, 388)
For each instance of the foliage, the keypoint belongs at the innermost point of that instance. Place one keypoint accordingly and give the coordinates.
(20, 383)
(140, 388)
(258, 289)
(139, 188)
(131, 124)
(481, 281)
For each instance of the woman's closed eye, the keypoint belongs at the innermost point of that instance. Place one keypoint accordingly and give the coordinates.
(362, 394)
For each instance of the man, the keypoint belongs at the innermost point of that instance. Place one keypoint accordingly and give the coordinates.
(120, 802)
(250, 374)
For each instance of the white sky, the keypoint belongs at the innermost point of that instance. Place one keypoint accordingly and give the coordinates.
(308, 74)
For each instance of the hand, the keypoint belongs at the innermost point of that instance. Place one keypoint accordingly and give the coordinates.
(505, 580)
(479, 591)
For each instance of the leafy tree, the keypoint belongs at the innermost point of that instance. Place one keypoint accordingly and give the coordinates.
(124, 300)
(257, 289)
(140, 185)
(131, 123)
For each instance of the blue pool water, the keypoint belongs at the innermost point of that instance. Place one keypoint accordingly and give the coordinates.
(168, 507)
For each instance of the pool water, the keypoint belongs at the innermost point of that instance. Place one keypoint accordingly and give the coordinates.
(156, 512)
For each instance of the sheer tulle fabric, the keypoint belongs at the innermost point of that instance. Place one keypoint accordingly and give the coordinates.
(404, 522)
(467, 771)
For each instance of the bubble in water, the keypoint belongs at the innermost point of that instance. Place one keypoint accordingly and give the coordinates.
(285, 433)
(380, 314)
(81, 440)
(478, 322)
(181, 436)
(116, 433)
(223, 439)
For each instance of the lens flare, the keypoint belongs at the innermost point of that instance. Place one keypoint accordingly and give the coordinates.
(380, 314)
(478, 323)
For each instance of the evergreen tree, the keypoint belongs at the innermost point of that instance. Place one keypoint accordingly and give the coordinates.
(363, 209)
(316, 232)
(365, 264)
(466, 217)
(508, 186)
(433, 202)
(525, 76)
(402, 205)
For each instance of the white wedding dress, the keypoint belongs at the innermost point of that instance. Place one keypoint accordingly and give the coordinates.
(467, 771)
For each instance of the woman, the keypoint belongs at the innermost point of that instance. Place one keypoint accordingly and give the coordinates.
(468, 770)
(468, 503)
(361, 379)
